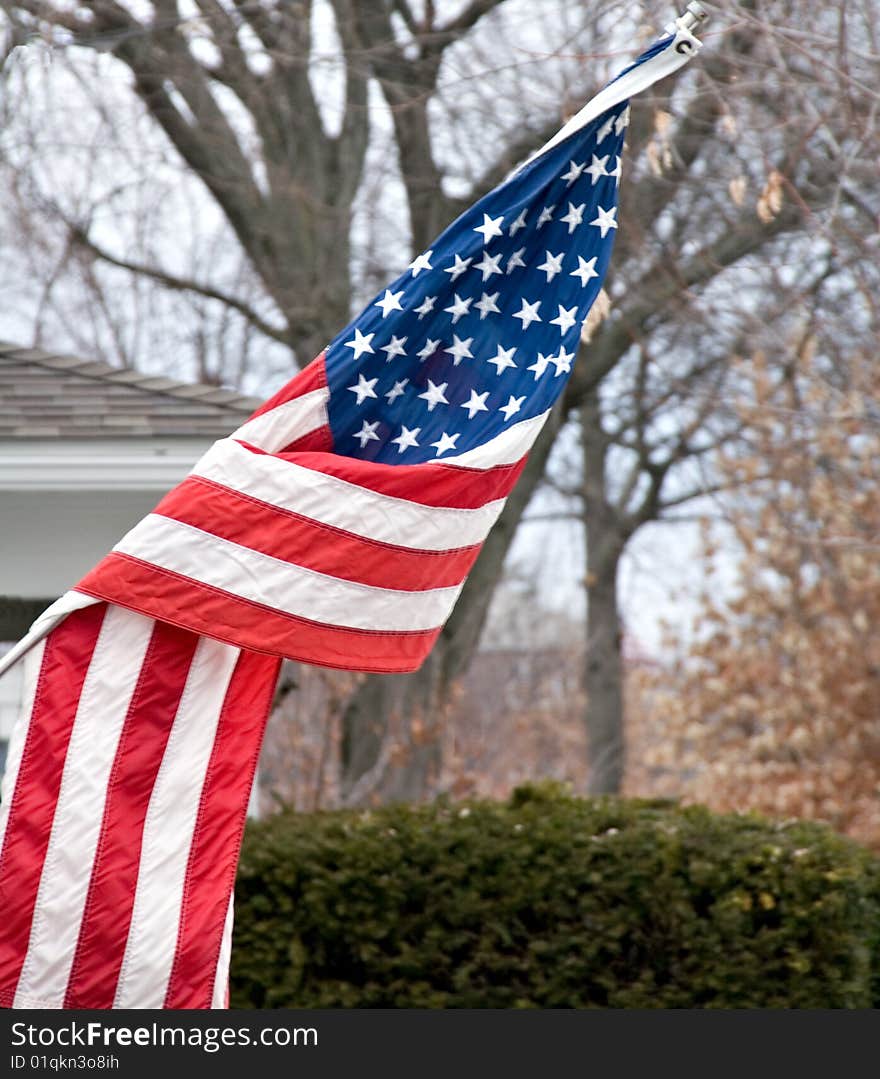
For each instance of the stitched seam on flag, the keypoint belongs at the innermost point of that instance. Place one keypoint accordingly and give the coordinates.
(51, 869)
(323, 384)
(197, 829)
(33, 665)
(313, 522)
(112, 784)
(367, 590)
(24, 764)
(268, 429)
(380, 665)
(7, 998)
(445, 466)
(200, 824)
(267, 706)
(170, 745)
(325, 445)
(381, 494)
(171, 574)
(230, 883)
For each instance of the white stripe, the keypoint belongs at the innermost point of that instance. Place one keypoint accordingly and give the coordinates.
(103, 705)
(504, 449)
(344, 505)
(30, 675)
(285, 423)
(221, 976)
(260, 578)
(169, 827)
(634, 82)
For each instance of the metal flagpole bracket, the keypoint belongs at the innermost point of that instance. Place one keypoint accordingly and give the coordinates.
(694, 18)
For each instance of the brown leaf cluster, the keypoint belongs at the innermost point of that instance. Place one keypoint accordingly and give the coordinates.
(776, 706)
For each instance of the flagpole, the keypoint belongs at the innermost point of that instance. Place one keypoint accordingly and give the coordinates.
(694, 18)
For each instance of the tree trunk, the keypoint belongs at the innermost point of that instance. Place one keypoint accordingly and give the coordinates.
(603, 670)
(391, 746)
(603, 681)
(393, 725)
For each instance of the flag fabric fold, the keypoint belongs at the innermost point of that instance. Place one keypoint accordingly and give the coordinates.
(335, 527)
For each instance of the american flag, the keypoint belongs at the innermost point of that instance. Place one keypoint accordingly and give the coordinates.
(335, 527)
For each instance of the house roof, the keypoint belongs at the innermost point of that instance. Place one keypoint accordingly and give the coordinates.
(46, 396)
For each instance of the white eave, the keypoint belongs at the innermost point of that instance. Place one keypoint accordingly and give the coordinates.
(107, 464)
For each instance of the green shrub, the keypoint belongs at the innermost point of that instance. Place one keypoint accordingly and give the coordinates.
(552, 901)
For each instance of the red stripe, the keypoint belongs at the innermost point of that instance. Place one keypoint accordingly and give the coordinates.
(217, 836)
(66, 660)
(319, 441)
(108, 909)
(312, 377)
(293, 538)
(438, 485)
(170, 597)
(431, 484)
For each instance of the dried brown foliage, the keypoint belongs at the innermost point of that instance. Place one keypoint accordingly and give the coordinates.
(776, 707)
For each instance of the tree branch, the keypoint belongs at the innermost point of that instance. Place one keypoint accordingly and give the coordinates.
(80, 238)
(659, 285)
(463, 22)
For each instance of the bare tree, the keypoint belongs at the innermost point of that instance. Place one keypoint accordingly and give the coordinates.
(747, 195)
(230, 86)
(754, 162)
(748, 206)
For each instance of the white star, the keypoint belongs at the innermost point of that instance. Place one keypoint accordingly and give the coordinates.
(422, 262)
(529, 313)
(487, 305)
(545, 215)
(434, 395)
(406, 438)
(396, 390)
(368, 433)
(540, 365)
(459, 307)
(459, 267)
(516, 259)
(586, 270)
(565, 319)
(520, 223)
(477, 403)
(621, 121)
(361, 343)
(445, 442)
(428, 349)
(605, 220)
(389, 302)
(562, 362)
(573, 172)
(490, 227)
(425, 307)
(574, 217)
(364, 388)
(552, 266)
(394, 348)
(513, 405)
(503, 359)
(616, 170)
(604, 131)
(597, 168)
(489, 265)
(461, 350)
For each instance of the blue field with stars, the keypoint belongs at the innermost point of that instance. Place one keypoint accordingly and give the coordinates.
(480, 332)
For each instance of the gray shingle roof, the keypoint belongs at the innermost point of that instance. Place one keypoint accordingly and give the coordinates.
(45, 396)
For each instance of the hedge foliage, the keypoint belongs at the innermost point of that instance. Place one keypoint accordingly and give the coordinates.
(551, 901)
